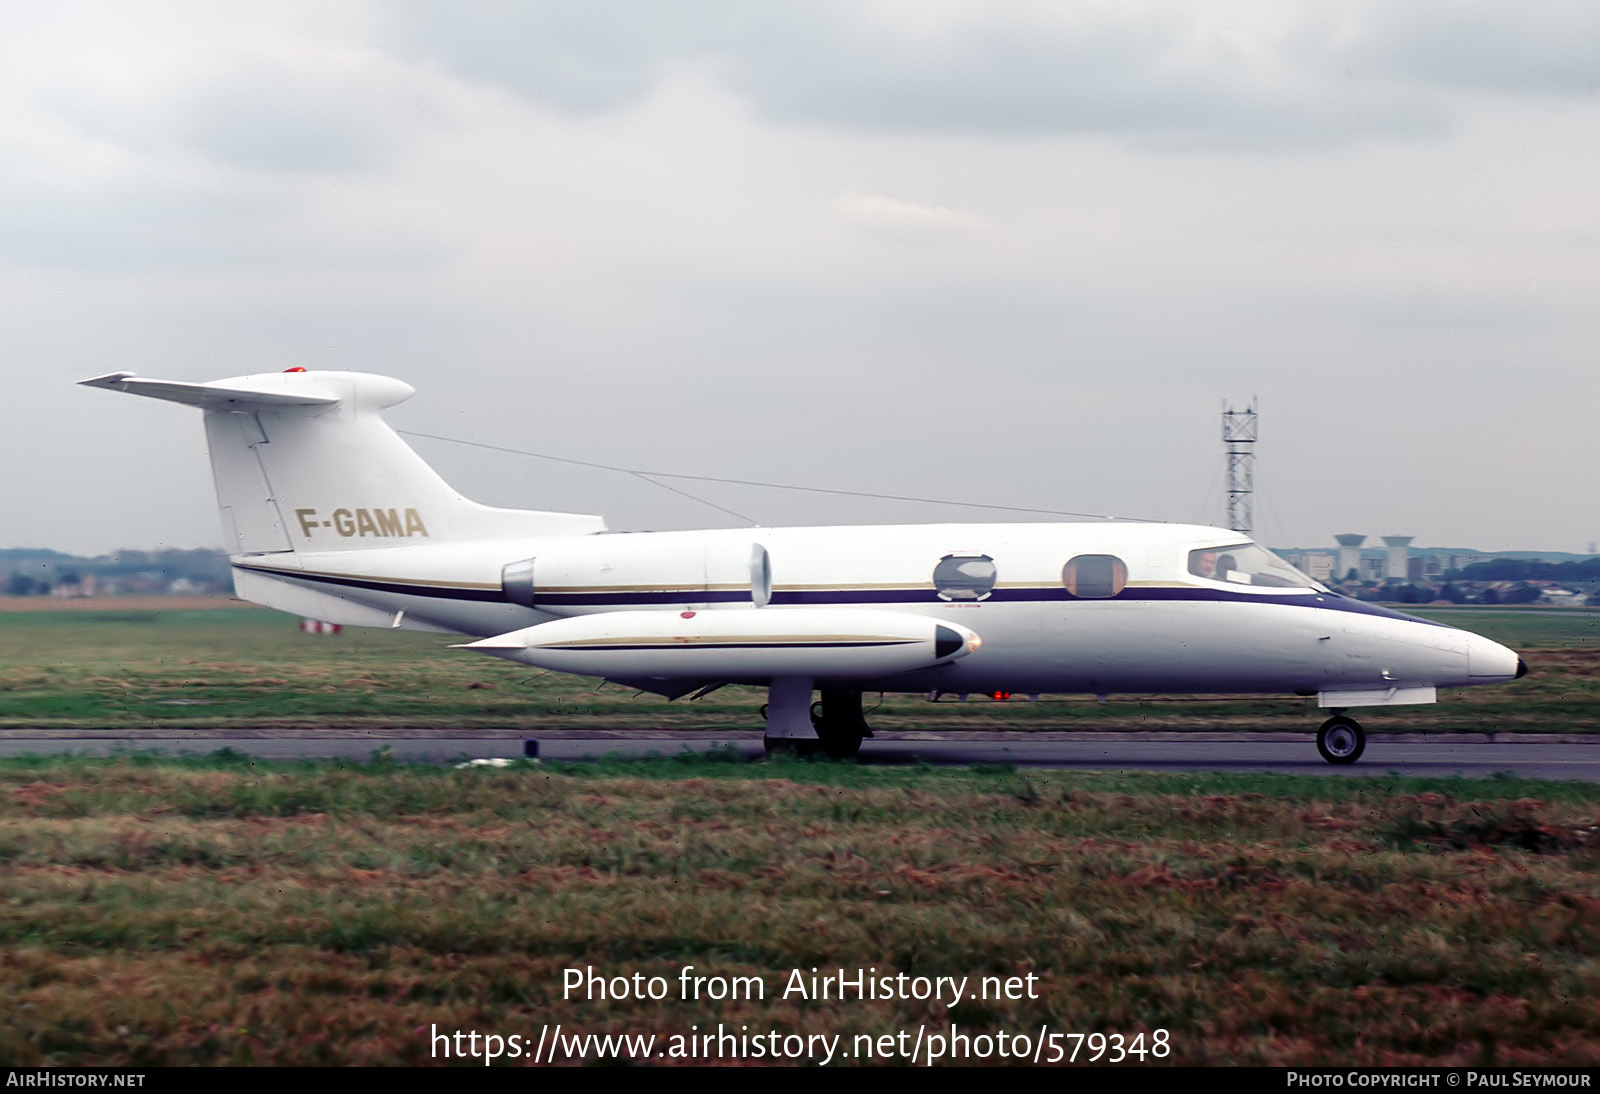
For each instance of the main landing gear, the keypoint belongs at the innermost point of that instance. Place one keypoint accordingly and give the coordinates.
(833, 726)
(1341, 740)
(839, 723)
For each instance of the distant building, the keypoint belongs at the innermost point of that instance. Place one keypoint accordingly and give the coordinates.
(1319, 566)
(1398, 549)
(1567, 598)
(1349, 553)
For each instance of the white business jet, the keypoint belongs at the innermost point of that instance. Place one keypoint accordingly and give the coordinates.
(327, 513)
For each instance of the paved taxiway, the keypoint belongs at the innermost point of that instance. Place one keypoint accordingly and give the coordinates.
(1544, 757)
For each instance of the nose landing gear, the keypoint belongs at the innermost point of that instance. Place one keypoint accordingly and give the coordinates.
(1341, 740)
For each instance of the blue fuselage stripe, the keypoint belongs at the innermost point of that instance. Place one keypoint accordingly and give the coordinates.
(437, 592)
(858, 597)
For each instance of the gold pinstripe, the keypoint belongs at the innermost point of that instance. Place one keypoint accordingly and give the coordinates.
(668, 641)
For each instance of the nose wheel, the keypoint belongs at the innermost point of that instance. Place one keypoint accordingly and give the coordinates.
(1341, 740)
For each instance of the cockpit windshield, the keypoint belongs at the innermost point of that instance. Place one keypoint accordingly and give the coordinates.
(1248, 564)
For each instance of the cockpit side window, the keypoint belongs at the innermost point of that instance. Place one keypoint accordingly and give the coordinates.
(1247, 564)
(1095, 577)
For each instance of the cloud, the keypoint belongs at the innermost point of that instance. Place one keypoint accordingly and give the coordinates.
(149, 222)
(297, 113)
(905, 220)
(211, 152)
(1223, 72)
(784, 217)
(582, 58)
(1548, 48)
(268, 110)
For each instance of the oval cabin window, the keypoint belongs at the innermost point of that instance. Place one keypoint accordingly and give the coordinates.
(1095, 577)
(964, 577)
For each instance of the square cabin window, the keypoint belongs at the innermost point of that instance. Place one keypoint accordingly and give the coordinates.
(1095, 577)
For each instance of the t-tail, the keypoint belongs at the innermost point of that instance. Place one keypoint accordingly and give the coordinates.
(305, 465)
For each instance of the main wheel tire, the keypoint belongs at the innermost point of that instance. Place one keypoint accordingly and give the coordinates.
(839, 724)
(837, 738)
(841, 745)
(1341, 740)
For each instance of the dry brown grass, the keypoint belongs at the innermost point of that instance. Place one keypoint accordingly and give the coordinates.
(238, 913)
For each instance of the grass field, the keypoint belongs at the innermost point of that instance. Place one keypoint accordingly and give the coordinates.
(222, 911)
(161, 911)
(105, 666)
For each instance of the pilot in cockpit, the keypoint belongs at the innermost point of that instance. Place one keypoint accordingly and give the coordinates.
(1247, 564)
(1211, 564)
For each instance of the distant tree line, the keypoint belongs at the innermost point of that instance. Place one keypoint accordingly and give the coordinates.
(1455, 594)
(1522, 594)
(37, 572)
(1519, 569)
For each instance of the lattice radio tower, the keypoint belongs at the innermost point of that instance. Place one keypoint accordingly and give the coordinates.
(1239, 437)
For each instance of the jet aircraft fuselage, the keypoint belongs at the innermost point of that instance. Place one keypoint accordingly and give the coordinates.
(330, 515)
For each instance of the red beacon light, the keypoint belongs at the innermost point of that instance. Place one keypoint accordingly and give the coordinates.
(296, 368)
(1000, 696)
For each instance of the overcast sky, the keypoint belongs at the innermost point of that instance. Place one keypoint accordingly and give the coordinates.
(1003, 252)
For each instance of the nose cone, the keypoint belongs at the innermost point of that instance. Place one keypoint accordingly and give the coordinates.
(1489, 661)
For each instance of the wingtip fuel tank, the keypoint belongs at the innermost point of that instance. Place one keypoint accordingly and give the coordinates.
(737, 644)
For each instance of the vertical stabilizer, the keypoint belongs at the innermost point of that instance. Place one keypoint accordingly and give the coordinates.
(303, 461)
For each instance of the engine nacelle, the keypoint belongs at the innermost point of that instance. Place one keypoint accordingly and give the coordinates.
(603, 573)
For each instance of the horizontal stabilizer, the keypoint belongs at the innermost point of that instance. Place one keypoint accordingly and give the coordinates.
(267, 392)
